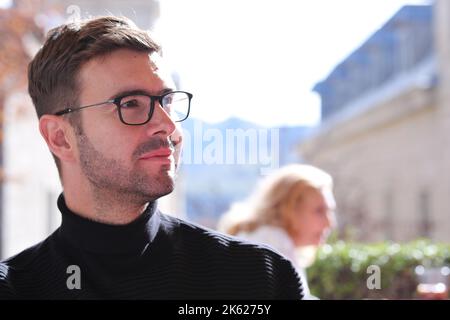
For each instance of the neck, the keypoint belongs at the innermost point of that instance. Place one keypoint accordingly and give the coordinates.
(105, 206)
(85, 234)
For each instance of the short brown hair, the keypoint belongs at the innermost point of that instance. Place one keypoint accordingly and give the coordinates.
(53, 72)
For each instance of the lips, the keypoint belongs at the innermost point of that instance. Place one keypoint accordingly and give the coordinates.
(163, 153)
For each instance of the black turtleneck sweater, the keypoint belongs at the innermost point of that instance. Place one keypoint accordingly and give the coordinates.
(154, 257)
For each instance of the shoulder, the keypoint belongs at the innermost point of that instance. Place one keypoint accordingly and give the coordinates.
(273, 236)
(253, 262)
(190, 233)
(6, 288)
(267, 234)
(26, 258)
(15, 270)
(202, 236)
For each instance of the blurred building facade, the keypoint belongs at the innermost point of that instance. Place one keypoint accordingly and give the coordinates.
(30, 182)
(385, 130)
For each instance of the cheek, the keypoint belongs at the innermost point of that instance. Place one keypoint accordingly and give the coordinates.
(112, 146)
(119, 150)
(299, 222)
(308, 222)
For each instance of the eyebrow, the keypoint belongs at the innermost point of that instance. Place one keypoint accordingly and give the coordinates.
(140, 91)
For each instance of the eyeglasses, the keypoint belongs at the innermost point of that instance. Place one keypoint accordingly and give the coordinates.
(137, 109)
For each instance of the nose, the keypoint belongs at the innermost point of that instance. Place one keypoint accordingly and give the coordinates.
(160, 123)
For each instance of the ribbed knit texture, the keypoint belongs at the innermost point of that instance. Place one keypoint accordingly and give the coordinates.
(154, 257)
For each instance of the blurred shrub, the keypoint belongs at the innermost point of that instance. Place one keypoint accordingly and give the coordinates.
(340, 270)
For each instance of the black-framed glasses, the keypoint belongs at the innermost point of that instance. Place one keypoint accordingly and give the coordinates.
(137, 109)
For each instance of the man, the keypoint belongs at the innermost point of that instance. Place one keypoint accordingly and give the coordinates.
(108, 110)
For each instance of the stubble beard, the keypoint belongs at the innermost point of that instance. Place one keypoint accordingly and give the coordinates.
(111, 179)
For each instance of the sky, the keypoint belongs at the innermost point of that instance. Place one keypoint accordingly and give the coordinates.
(5, 3)
(259, 59)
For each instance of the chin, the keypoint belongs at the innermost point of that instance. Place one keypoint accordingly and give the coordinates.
(168, 185)
(316, 241)
(169, 189)
(155, 194)
(170, 169)
(157, 186)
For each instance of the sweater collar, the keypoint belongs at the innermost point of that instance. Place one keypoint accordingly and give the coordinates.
(98, 237)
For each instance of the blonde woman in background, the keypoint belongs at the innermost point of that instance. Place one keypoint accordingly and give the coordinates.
(292, 210)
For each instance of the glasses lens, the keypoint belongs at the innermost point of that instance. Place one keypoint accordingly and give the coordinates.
(135, 109)
(176, 104)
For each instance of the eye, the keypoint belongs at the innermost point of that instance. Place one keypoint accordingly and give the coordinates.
(135, 102)
(129, 103)
(167, 100)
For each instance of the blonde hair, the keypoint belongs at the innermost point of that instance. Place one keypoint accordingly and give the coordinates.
(275, 197)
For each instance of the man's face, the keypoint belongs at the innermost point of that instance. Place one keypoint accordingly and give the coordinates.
(134, 162)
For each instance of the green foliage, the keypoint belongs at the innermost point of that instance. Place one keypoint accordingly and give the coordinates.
(340, 270)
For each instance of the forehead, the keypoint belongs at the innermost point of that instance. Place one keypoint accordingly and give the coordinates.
(123, 70)
(323, 195)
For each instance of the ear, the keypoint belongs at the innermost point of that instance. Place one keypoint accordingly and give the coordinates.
(57, 134)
